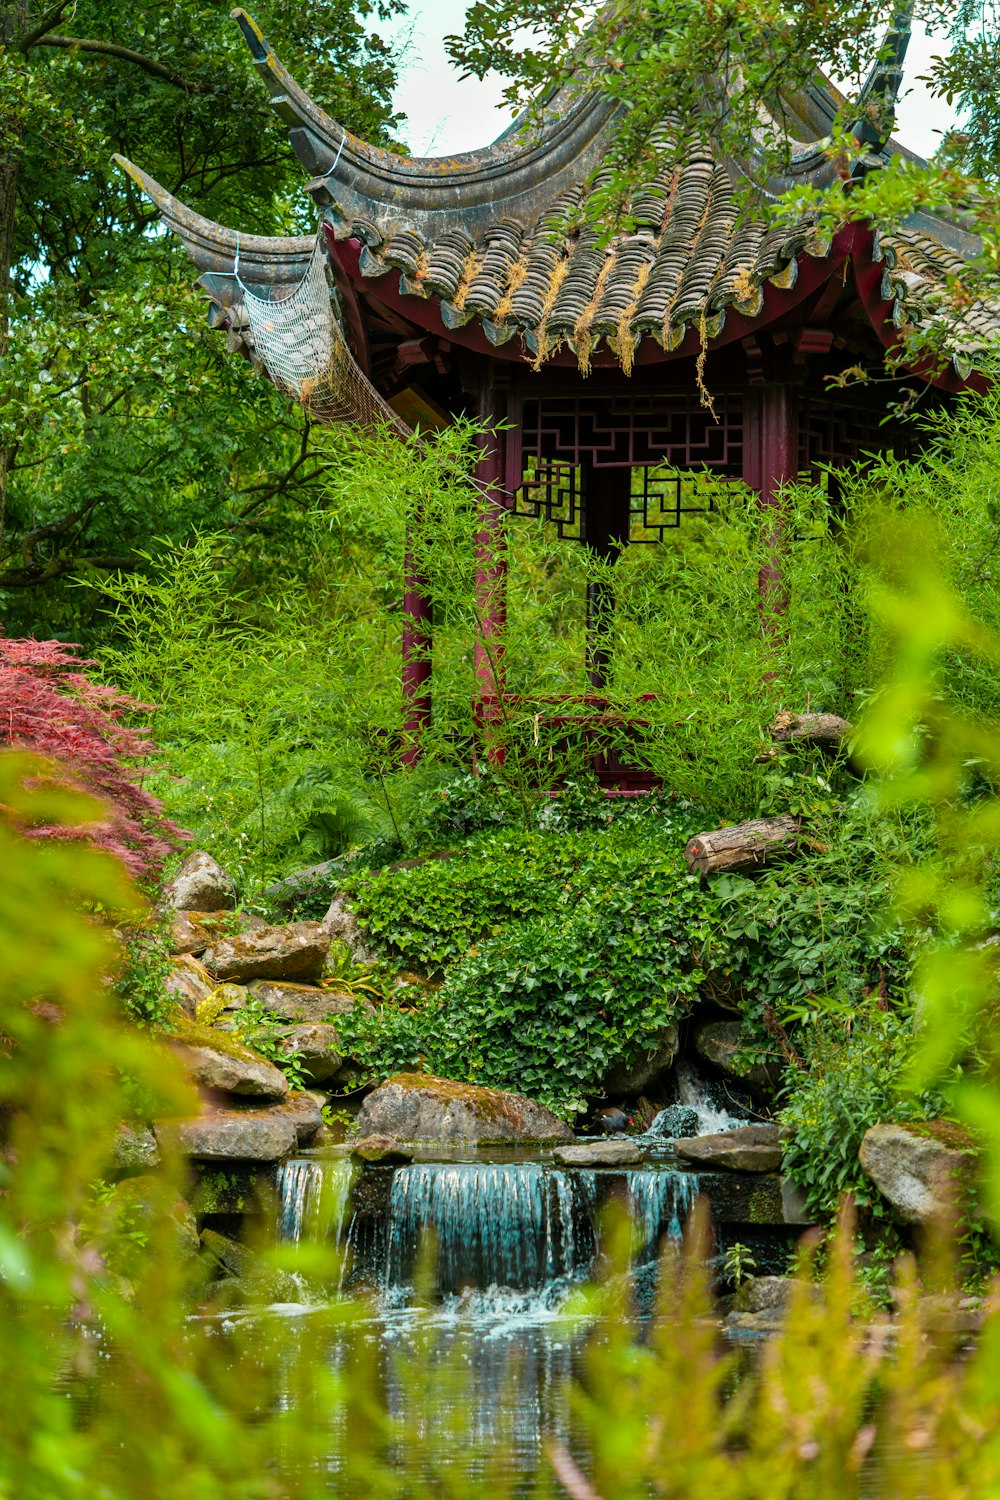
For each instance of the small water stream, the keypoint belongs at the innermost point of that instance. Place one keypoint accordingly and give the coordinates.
(505, 1237)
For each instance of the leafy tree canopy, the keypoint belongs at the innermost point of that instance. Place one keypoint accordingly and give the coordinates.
(728, 70)
(120, 418)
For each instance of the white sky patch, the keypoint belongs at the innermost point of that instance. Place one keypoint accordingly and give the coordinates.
(446, 115)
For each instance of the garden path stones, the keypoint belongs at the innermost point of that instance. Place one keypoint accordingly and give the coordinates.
(201, 884)
(751, 1148)
(420, 1107)
(295, 952)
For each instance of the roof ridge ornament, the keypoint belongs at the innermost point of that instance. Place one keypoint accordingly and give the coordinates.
(876, 117)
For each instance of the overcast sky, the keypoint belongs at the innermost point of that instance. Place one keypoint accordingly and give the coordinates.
(446, 116)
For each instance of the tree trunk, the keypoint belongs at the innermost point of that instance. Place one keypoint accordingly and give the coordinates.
(745, 846)
(13, 23)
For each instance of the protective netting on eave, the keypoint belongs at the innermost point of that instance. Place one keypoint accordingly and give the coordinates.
(299, 341)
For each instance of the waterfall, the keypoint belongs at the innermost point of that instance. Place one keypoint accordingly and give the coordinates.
(518, 1225)
(314, 1197)
(660, 1202)
(693, 1092)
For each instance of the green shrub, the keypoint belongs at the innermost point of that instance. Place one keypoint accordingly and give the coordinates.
(430, 915)
(855, 1077)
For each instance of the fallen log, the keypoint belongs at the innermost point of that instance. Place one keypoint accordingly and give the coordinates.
(745, 846)
(826, 730)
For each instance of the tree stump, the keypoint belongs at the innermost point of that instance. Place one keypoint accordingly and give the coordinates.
(745, 846)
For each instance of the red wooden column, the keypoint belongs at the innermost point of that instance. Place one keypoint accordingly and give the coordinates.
(491, 557)
(418, 619)
(770, 460)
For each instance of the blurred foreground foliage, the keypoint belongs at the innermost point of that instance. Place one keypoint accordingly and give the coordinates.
(114, 1390)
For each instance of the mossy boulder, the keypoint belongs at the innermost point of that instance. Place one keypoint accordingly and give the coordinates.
(921, 1168)
(420, 1107)
(217, 1061)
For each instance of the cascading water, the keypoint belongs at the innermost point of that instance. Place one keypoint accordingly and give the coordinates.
(693, 1092)
(523, 1226)
(314, 1198)
(660, 1203)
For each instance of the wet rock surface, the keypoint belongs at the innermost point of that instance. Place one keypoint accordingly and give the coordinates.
(295, 952)
(920, 1168)
(201, 884)
(599, 1154)
(420, 1107)
(720, 1043)
(380, 1148)
(676, 1122)
(750, 1148)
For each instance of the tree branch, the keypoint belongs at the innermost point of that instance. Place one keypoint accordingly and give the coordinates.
(51, 18)
(124, 54)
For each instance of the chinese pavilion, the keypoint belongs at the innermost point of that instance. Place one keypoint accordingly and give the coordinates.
(475, 284)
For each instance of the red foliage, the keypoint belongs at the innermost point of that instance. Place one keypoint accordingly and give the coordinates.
(48, 705)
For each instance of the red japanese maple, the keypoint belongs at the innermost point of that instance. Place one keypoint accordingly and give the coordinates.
(50, 706)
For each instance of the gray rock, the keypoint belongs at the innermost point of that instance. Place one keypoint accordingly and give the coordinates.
(719, 1043)
(751, 1148)
(419, 1107)
(189, 934)
(305, 1110)
(227, 1065)
(380, 1148)
(599, 1154)
(297, 952)
(232, 1135)
(134, 1149)
(319, 1047)
(286, 892)
(676, 1122)
(647, 1066)
(189, 982)
(234, 1259)
(763, 1294)
(305, 1003)
(201, 884)
(793, 1204)
(342, 925)
(920, 1168)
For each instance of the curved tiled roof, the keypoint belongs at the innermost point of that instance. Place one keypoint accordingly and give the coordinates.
(690, 257)
(501, 239)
